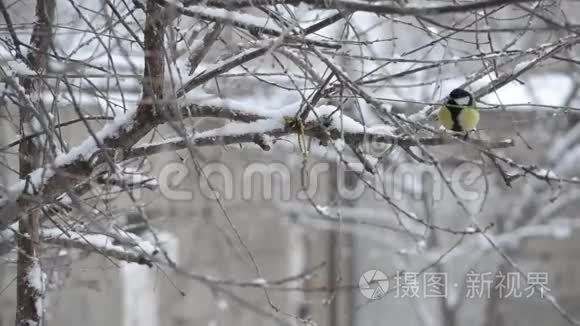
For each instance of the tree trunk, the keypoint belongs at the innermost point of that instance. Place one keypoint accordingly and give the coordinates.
(29, 288)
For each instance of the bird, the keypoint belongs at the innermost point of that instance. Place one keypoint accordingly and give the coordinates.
(459, 113)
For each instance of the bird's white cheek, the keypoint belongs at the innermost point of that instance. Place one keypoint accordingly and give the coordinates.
(462, 101)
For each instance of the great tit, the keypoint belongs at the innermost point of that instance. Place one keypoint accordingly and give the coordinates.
(459, 113)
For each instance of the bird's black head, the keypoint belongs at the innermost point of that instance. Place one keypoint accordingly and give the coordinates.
(459, 96)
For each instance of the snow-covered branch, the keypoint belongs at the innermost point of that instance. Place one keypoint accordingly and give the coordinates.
(261, 133)
(136, 251)
(354, 5)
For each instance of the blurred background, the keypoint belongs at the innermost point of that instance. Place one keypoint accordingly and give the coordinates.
(262, 252)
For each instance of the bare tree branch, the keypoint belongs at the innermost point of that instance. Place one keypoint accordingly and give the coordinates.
(378, 7)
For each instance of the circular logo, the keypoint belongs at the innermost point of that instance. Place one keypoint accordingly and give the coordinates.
(373, 284)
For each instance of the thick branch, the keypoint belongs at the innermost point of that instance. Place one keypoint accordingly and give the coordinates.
(248, 134)
(378, 7)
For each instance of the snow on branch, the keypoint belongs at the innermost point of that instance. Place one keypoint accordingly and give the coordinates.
(325, 124)
(259, 132)
(379, 7)
(139, 251)
(201, 104)
(254, 24)
(77, 160)
(7, 239)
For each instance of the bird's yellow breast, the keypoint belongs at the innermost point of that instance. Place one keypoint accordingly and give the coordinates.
(459, 119)
(468, 118)
(445, 117)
